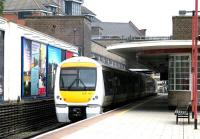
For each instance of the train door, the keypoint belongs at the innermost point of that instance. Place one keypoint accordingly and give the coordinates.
(1, 65)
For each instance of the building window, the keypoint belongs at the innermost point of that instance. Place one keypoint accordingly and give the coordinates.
(51, 9)
(179, 72)
(72, 8)
(23, 15)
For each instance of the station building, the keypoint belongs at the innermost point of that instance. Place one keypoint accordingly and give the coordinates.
(171, 58)
(28, 61)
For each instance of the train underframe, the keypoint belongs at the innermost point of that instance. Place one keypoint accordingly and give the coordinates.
(75, 113)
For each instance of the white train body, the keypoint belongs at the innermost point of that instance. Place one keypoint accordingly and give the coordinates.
(83, 87)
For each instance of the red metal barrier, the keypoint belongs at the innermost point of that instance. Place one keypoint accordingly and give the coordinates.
(195, 63)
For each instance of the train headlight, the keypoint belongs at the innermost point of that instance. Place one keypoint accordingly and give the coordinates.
(58, 97)
(96, 97)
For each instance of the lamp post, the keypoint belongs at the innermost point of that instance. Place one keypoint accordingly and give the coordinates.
(74, 41)
(195, 63)
(195, 39)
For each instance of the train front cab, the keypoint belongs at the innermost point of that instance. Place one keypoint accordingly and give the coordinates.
(81, 95)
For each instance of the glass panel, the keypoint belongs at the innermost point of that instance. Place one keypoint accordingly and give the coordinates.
(181, 66)
(171, 70)
(77, 79)
(185, 70)
(185, 87)
(171, 76)
(178, 75)
(185, 58)
(185, 75)
(178, 87)
(171, 58)
(171, 81)
(198, 87)
(1, 64)
(178, 64)
(182, 87)
(178, 69)
(85, 73)
(178, 81)
(198, 81)
(185, 81)
(171, 64)
(178, 57)
(171, 87)
(184, 64)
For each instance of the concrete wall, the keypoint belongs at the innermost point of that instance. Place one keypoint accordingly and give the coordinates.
(179, 98)
(101, 50)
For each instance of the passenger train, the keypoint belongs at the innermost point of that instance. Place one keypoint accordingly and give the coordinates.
(84, 87)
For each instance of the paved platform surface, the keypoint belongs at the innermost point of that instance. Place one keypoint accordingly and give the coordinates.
(145, 119)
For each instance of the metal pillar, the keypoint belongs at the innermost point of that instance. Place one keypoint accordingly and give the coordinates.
(195, 63)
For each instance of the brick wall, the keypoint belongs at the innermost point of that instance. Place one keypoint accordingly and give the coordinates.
(182, 27)
(73, 29)
(26, 117)
(14, 18)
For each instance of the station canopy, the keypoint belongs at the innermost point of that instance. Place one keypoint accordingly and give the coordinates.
(152, 55)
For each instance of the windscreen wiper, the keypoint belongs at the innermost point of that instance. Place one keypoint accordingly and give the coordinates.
(85, 87)
(70, 86)
(77, 79)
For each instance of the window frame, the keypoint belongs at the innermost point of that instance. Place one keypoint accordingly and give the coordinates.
(172, 75)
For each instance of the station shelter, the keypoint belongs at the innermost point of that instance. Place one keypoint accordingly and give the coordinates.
(171, 58)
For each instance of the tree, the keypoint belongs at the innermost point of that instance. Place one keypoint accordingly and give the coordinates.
(1, 6)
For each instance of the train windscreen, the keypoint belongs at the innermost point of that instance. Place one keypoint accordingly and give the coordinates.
(78, 79)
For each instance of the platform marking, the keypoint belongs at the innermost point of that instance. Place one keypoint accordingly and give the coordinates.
(133, 107)
(76, 123)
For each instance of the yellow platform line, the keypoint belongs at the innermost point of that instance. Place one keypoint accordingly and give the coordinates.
(133, 107)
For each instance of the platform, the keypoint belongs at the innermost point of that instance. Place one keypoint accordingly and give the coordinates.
(144, 119)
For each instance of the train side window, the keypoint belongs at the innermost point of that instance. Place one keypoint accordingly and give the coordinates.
(107, 82)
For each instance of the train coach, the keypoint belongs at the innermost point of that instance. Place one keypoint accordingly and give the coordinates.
(84, 87)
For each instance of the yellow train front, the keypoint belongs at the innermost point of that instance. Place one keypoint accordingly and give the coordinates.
(83, 87)
(78, 89)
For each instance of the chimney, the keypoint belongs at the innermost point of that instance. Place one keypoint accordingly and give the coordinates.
(143, 32)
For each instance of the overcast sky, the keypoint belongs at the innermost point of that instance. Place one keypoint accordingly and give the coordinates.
(153, 15)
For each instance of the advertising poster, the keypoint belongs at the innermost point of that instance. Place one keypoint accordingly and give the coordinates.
(35, 53)
(69, 54)
(54, 58)
(1, 64)
(42, 74)
(27, 66)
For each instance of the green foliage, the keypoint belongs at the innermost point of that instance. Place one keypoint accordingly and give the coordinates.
(1, 6)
